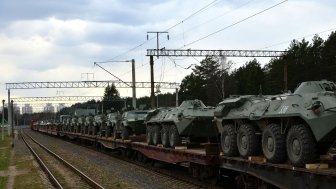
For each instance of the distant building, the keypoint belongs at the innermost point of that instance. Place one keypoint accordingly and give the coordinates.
(49, 108)
(27, 109)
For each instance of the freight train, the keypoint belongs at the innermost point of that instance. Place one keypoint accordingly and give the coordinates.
(285, 140)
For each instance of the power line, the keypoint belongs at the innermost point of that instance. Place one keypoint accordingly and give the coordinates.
(144, 42)
(211, 20)
(280, 43)
(193, 14)
(231, 25)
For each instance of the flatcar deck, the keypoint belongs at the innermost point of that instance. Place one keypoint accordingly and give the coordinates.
(280, 175)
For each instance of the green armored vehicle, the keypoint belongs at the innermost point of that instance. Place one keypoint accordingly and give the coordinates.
(63, 121)
(73, 124)
(88, 125)
(100, 125)
(113, 119)
(192, 120)
(131, 123)
(298, 126)
(80, 124)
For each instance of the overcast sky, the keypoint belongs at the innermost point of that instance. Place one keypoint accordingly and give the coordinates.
(58, 40)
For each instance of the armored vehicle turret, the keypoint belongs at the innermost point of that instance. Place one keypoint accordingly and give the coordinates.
(298, 126)
(192, 121)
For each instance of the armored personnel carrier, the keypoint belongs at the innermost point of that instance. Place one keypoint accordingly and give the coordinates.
(113, 119)
(191, 120)
(100, 124)
(131, 123)
(64, 120)
(80, 124)
(298, 126)
(88, 125)
(73, 124)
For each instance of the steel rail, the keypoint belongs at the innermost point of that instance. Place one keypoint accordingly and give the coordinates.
(87, 179)
(52, 178)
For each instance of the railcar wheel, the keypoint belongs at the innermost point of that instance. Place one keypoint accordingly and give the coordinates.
(149, 135)
(274, 144)
(125, 133)
(301, 145)
(165, 136)
(174, 136)
(229, 140)
(248, 141)
(156, 135)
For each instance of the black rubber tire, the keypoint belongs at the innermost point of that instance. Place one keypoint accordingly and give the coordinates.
(125, 133)
(274, 144)
(248, 141)
(165, 136)
(229, 141)
(174, 137)
(156, 135)
(301, 145)
(149, 135)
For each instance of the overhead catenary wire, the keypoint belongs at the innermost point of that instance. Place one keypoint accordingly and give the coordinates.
(308, 35)
(146, 41)
(193, 14)
(231, 25)
(209, 21)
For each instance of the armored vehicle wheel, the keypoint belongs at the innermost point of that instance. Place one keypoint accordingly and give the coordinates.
(229, 140)
(247, 141)
(165, 136)
(156, 135)
(149, 135)
(174, 136)
(301, 145)
(274, 144)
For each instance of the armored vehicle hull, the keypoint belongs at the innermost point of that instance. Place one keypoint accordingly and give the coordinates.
(131, 123)
(297, 126)
(192, 121)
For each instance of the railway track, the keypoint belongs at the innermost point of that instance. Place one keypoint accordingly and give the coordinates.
(174, 176)
(60, 172)
(179, 179)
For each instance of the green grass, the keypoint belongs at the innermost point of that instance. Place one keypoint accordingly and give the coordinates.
(5, 148)
(3, 182)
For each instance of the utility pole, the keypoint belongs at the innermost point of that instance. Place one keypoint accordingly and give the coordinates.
(177, 103)
(12, 123)
(152, 96)
(9, 113)
(157, 38)
(87, 76)
(3, 120)
(133, 85)
(151, 62)
(285, 75)
(133, 78)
